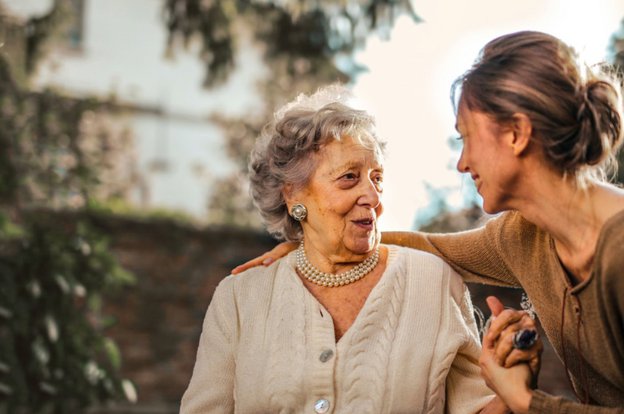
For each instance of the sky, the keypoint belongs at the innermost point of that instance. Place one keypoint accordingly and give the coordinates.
(407, 84)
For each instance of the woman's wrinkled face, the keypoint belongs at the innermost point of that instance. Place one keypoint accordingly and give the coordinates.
(487, 158)
(343, 199)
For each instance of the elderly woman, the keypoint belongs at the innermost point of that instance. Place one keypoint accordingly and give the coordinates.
(343, 324)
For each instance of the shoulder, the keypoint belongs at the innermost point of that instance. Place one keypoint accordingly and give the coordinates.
(613, 233)
(254, 283)
(416, 260)
(610, 250)
(512, 225)
(430, 269)
(253, 276)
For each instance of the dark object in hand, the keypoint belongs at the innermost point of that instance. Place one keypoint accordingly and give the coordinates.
(525, 339)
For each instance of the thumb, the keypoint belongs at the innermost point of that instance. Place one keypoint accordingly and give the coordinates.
(495, 305)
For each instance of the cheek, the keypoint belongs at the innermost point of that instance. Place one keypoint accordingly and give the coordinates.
(380, 209)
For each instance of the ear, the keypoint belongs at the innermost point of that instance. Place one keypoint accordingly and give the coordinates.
(288, 193)
(522, 131)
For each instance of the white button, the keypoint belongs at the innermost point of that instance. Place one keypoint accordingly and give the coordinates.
(321, 406)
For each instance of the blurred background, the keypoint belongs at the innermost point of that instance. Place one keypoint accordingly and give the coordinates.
(124, 133)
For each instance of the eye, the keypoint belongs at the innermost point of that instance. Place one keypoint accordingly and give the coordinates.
(349, 176)
(378, 180)
(459, 137)
(348, 180)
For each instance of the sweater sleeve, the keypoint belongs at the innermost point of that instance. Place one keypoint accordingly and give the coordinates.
(545, 403)
(466, 391)
(475, 254)
(211, 389)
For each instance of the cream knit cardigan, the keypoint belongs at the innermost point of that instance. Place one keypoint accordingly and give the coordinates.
(268, 345)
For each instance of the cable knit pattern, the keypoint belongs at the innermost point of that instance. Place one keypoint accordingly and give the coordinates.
(410, 350)
(286, 346)
(368, 366)
(437, 391)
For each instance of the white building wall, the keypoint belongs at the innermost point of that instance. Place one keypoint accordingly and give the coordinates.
(123, 56)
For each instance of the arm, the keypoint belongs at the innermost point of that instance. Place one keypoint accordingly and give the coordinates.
(474, 254)
(267, 258)
(545, 403)
(211, 389)
(513, 383)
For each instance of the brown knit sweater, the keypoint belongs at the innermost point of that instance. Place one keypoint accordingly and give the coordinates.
(584, 322)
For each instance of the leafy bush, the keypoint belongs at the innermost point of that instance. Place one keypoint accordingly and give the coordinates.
(53, 356)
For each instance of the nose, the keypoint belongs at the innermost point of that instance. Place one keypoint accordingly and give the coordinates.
(371, 194)
(462, 164)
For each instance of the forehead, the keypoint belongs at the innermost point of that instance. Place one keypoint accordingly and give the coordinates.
(349, 151)
(470, 120)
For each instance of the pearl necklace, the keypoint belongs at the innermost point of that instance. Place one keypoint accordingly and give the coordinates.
(314, 275)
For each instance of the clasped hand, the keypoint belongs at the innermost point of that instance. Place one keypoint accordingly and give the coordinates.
(510, 372)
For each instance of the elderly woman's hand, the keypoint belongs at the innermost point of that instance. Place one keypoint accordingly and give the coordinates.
(267, 258)
(504, 327)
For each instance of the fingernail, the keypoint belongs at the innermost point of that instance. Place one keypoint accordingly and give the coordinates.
(267, 261)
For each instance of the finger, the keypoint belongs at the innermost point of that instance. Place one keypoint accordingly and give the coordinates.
(495, 305)
(531, 356)
(486, 364)
(283, 249)
(504, 344)
(535, 364)
(504, 319)
(505, 341)
(517, 356)
(265, 260)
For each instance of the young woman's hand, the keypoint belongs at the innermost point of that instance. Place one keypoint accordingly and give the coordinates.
(267, 258)
(510, 372)
(495, 406)
(504, 326)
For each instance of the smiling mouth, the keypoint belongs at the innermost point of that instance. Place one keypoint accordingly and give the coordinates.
(365, 223)
(476, 181)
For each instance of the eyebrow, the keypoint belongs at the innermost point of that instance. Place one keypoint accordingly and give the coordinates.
(351, 165)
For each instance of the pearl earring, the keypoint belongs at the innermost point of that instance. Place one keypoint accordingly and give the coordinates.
(299, 212)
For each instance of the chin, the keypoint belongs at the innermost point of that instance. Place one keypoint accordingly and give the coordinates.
(492, 208)
(362, 246)
(367, 246)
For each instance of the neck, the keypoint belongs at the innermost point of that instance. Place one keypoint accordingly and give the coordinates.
(336, 261)
(563, 210)
(572, 216)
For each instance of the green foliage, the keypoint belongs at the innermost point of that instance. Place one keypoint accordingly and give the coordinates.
(55, 152)
(41, 29)
(616, 52)
(306, 33)
(301, 40)
(53, 357)
(120, 207)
